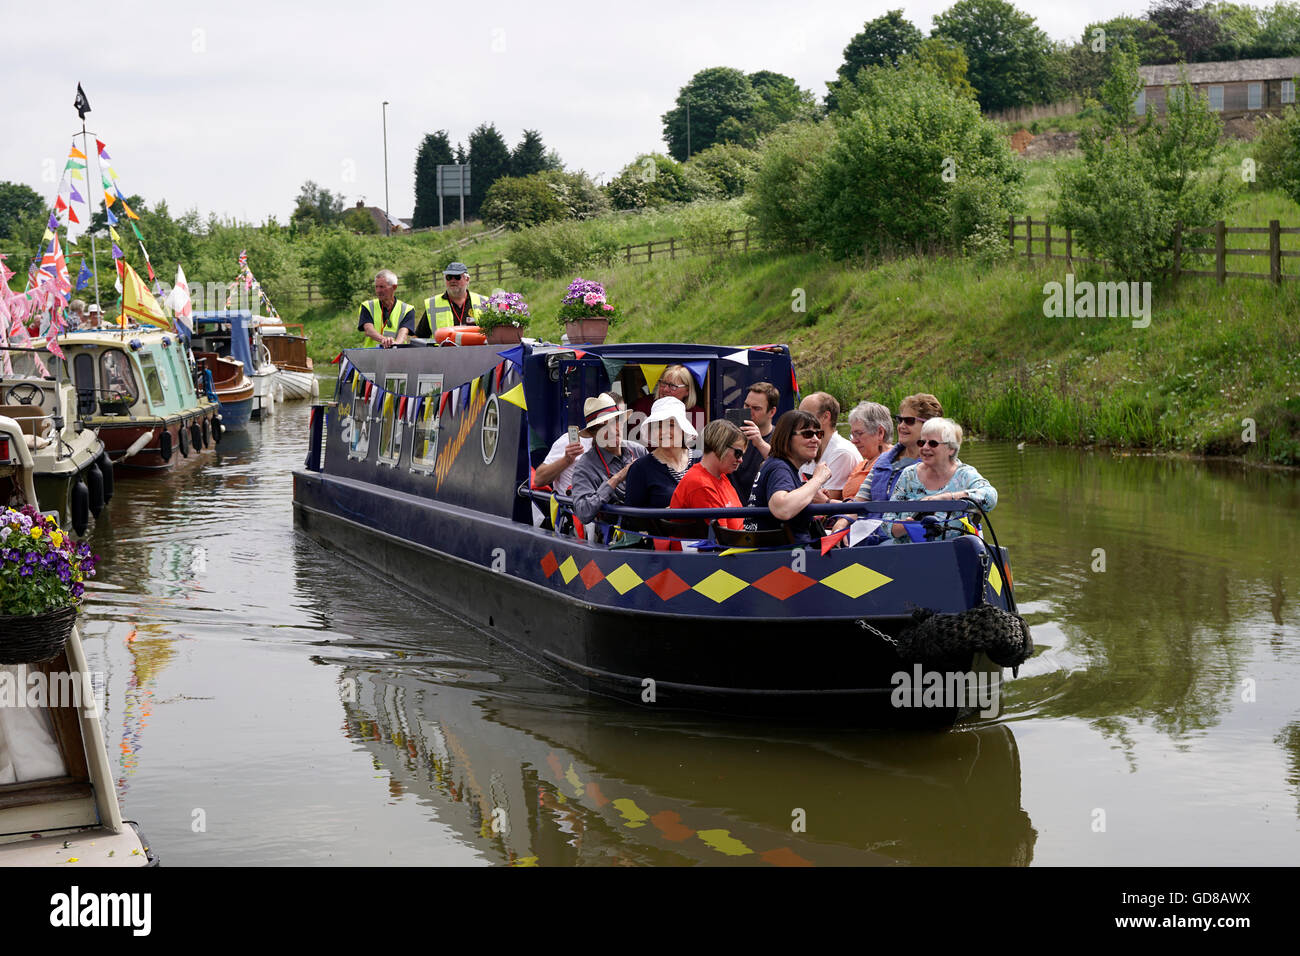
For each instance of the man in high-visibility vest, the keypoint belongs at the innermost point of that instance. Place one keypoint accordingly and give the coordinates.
(385, 320)
(456, 306)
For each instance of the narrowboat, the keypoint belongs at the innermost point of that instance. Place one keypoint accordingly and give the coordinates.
(232, 334)
(288, 352)
(137, 388)
(58, 801)
(72, 470)
(419, 470)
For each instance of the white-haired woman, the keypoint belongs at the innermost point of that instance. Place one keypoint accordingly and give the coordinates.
(940, 475)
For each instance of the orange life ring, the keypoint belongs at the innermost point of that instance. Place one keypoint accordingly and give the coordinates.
(460, 335)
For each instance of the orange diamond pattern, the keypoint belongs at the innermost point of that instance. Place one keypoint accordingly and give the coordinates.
(667, 585)
(549, 564)
(592, 575)
(783, 583)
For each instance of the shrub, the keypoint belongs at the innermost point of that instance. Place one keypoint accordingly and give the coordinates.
(340, 267)
(581, 197)
(653, 180)
(519, 202)
(915, 166)
(557, 249)
(1278, 152)
(708, 226)
(778, 194)
(728, 168)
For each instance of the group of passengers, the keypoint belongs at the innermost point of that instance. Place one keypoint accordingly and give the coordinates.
(786, 466)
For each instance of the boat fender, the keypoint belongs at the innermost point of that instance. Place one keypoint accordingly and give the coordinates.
(105, 465)
(196, 437)
(95, 485)
(207, 434)
(183, 434)
(165, 445)
(138, 444)
(79, 506)
(947, 641)
(217, 429)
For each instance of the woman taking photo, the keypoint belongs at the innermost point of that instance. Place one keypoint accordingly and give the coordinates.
(779, 487)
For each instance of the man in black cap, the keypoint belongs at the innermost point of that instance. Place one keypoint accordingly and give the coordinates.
(455, 306)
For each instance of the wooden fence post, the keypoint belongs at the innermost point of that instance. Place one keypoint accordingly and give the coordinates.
(746, 238)
(500, 264)
(1220, 253)
(628, 253)
(1069, 248)
(1047, 236)
(650, 251)
(1275, 251)
(672, 248)
(1029, 237)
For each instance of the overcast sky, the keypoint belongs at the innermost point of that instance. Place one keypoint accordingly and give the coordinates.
(229, 107)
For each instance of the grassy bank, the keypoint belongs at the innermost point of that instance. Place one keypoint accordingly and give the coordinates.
(978, 339)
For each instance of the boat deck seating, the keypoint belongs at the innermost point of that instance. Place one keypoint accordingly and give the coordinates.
(28, 417)
(223, 370)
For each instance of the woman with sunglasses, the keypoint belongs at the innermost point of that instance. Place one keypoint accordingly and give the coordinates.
(706, 484)
(913, 412)
(675, 382)
(779, 487)
(940, 476)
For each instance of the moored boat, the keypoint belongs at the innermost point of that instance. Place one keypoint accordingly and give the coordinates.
(419, 470)
(288, 352)
(136, 387)
(58, 801)
(233, 388)
(232, 333)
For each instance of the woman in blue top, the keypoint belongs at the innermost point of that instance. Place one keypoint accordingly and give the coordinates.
(779, 486)
(913, 412)
(653, 478)
(940, 476)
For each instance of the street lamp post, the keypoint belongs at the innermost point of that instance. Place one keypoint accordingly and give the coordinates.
(388, 222)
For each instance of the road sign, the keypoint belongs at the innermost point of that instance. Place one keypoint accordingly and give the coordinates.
(453, 180)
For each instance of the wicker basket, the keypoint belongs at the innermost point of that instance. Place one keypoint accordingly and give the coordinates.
(30, 639)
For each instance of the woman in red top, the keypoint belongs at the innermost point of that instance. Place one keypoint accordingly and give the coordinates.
(705, 485)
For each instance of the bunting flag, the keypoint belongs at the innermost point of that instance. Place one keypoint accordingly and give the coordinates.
(181, 306)
(515, 396)
(128, 210)
(514, 355)
(117, 253)
(794, 382)
(136, 231)
(723, 554)
(75, 153)
(109, 199)
(139, 304)
(53, 222)
(612, 367)
(698, 370)
(112, 220)
(555, 510)
(831, 540)
(103, 150)
(652, 373)
(861, 529)
(500, 370)
(59, 204)
(473, 390)
(113, 234)
(742, 357)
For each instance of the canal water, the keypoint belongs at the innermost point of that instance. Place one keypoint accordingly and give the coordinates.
(263, 708)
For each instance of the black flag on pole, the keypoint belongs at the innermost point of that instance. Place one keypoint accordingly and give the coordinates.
(82, 106)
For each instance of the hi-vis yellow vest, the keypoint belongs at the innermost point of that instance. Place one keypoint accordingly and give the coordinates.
(400, 309)
(438, 309)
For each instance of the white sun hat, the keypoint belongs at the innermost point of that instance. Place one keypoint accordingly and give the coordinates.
(668, 409)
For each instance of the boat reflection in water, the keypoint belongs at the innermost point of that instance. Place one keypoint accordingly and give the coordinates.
(534, 773)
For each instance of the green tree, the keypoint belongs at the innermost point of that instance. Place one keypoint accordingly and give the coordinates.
(883, 42)
(529, 156)
(1087, 63)
(780, 100)
(652, 180)
(18, 201)
(1190, 25)
(947, 61)
(714, 95)
(489, 160)
(1009, 56)
(341, 268)
(915, 167)
(317, 206)
(1279, 33)
(1278, 149)
(435, 151)
(779, 197)
(729, 165)
(519, 202)
(1240, 30)
(359, 220)
(1137, 183)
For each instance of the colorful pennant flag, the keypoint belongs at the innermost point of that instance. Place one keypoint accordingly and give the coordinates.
(515, 396)
(83, 277)
(139, 304)
(831, 540)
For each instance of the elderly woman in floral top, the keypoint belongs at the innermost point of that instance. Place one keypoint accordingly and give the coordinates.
(940, 476)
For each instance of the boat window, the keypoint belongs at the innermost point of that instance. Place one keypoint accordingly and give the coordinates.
(83, 367)
(490, 430)
(354, 417)
(390, 429)
(118, 387)
(152, 380)
(173, 363)
(424, 449)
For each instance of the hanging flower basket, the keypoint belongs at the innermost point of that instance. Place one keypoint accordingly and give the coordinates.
(41, 575)
(30, 639)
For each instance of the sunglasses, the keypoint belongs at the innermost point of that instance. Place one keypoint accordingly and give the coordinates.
(738, 452)
(922, 442)
(455, 278)
(809, 433)
(909, 420)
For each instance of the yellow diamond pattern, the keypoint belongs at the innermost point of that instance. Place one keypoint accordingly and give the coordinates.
(855, 580)
(720, 585)
(623, 579)
(569, 569)
(995, 579)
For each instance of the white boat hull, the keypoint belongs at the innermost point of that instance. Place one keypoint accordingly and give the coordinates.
(298, 386)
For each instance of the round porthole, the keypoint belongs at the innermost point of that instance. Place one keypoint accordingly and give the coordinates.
(490, 432)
